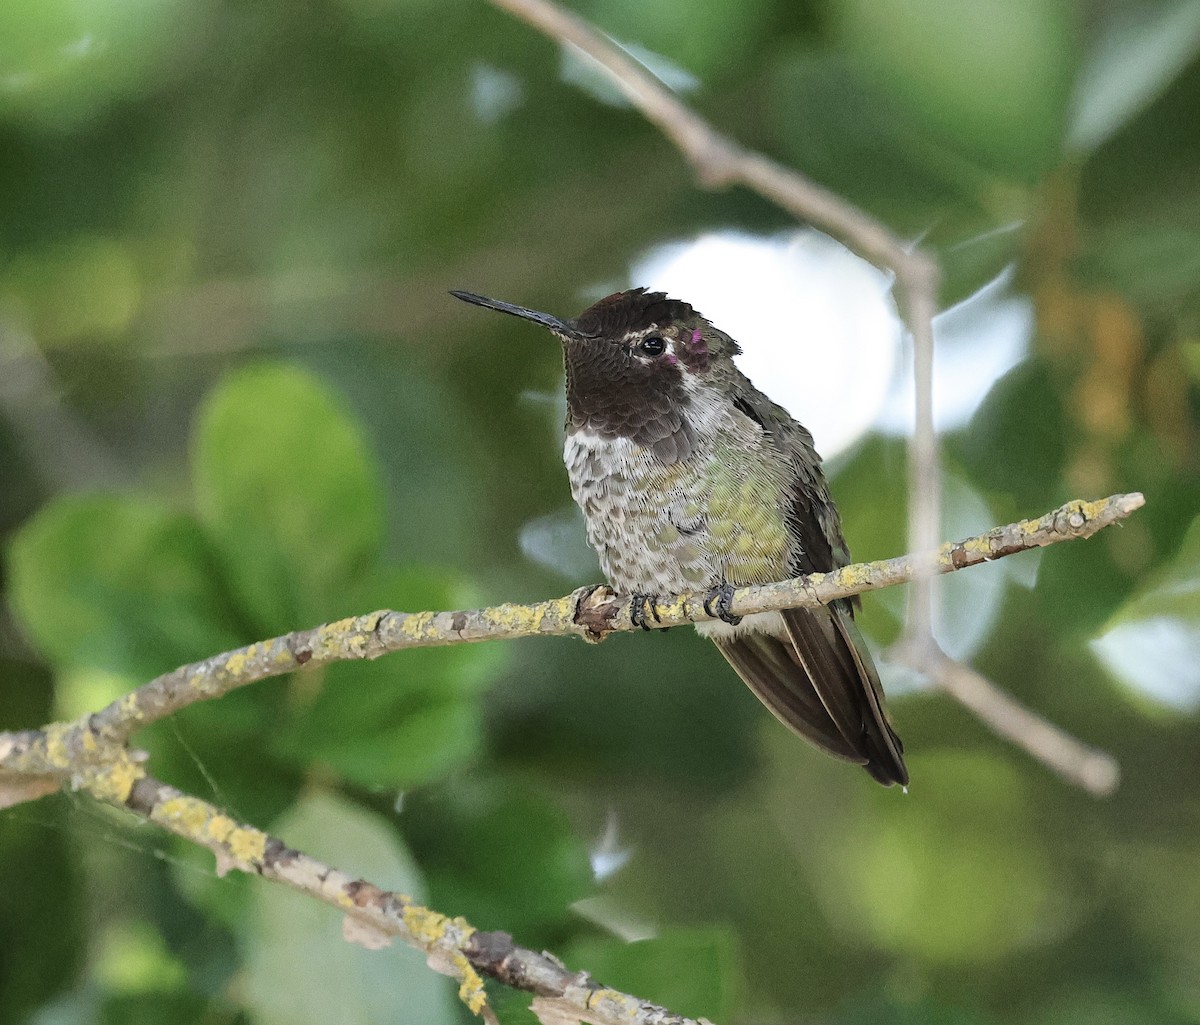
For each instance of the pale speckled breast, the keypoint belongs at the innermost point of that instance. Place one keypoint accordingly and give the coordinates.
(658, 529)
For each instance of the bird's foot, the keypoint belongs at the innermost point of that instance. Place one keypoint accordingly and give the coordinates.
(718, 602)
(642, 608)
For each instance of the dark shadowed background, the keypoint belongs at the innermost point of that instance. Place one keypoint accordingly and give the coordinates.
(236, 400)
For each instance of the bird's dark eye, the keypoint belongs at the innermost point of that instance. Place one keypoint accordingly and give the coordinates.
(653, 346)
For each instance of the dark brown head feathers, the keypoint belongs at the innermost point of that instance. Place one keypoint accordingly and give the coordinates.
(615, 391)
(631, 311)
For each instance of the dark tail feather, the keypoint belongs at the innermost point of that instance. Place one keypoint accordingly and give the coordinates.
(888, 751)
(765, 664)
(821, 682)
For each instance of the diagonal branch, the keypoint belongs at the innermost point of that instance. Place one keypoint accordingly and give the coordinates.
(717, 159)
(373, 915)
(68, 751)
(719, 162)
(1094, 771)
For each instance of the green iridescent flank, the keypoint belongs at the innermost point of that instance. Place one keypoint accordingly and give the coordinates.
(745, 518)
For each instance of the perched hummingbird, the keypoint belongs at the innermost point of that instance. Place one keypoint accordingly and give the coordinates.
(689, 479)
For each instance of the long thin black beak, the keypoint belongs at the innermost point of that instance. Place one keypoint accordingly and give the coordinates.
(545, 319)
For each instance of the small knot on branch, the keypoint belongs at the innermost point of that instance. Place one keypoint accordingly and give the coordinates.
(596, 612)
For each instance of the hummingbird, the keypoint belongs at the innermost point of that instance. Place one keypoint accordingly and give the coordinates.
(691, 479)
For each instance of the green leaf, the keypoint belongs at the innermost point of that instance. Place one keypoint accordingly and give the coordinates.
(870, 487)
(890, 873)
(285, 483)
(973, 252)
(153, 1009)
(1150, 259)
(221, 749)
(44, 925)
(131, 957)
(849, 133)
(410, 737)
(693, 972)
(992, 76)
(499, 853)
(658, 706)
(410, 718)
(1140, 49)
(63, 62)
(99, 273)
(717, 32)
(1152, 643)
(120, 584)
(1015, 445)
(27, 694)
(300, 971)
(222, 900)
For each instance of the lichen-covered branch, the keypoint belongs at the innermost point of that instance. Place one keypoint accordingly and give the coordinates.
(374, 916)
(67, 751)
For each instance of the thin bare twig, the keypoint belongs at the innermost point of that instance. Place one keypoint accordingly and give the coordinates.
(1092, 770)
(719, 162)
(924, 467)
(68, 455)
(717, 159)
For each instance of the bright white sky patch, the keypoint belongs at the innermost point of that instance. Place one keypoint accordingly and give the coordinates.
(1159, 656)
(495, 93)
(821, 335)
(609, 855)
(975, 343)
(1152, 643)
(583, 70)
(816, 322)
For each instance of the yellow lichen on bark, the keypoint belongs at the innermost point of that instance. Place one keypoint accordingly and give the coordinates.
(196, 820)
(519, 618)
(676, 608)
(470, 990)
(235, 665)
(1085, 510)
(342, 639)
(430, 926)
(57, 751)
(857, 575)
(981, 546)
(615, 1003)
(245, 844)
(112, 781)
(333, 638)
(186, 815)
(430, 929)
(106, 772)
(357, 637)
(418, 625)
(131, 708)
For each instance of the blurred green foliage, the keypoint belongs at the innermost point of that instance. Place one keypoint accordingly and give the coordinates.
(235, 400)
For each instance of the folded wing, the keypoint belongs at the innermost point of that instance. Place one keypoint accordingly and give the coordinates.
(819, 680)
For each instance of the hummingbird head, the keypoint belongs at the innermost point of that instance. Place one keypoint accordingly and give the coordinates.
(636, 361)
